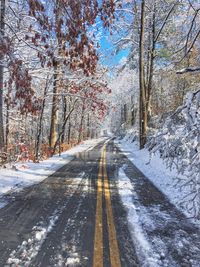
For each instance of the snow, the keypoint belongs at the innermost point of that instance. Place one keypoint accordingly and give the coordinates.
(177, 140)
(155, 169)
(29, 249)
(148, 226)
(73, 254)
(73, 260)
(26, 174)
(2, 204)
(143, 248)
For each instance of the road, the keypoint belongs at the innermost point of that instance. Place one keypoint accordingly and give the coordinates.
(76, 218)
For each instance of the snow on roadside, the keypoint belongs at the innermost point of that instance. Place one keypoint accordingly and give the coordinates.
(153, 167)
(145, 253)
(26, 174)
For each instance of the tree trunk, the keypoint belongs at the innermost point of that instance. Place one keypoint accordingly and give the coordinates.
(69, 125)
(143, 111)
(69, 131)
(54, 112)
(81, 123)
(64, 124)
(7, 127)
(37, 146)
(151, 64)
(88, 126)
(7, 123)
(2, 32)
(64, 116)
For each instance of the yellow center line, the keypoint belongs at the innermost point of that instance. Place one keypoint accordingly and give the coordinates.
(113, 244)
(98, 241)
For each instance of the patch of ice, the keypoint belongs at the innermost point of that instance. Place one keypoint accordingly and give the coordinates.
(3, 204)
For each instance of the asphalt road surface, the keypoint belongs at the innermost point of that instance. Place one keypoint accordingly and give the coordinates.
(76, 218)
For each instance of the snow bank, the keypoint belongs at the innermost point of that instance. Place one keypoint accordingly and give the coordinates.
(26, 174)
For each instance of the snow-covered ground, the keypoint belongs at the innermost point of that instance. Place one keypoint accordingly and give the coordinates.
(153, 167)
(144, 250)
(26, 174)
(160, 237)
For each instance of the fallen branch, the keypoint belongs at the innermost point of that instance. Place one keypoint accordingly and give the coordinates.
(189, 70)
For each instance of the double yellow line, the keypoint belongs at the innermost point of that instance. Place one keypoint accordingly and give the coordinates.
(103, 187)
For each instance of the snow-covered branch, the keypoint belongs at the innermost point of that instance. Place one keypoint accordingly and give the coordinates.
(178, 142)
(189, 70)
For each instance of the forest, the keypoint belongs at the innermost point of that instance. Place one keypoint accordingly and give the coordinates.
(69, 69)
(100, 133)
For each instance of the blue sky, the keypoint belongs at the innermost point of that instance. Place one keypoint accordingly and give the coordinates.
(109, 58)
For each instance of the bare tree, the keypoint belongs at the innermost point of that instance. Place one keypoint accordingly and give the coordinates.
(143, 111)
(2, 30)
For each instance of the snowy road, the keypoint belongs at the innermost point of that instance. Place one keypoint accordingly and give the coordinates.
(98, 210)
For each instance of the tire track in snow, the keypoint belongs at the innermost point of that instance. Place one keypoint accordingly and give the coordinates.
(28, 250)
(72, 257)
